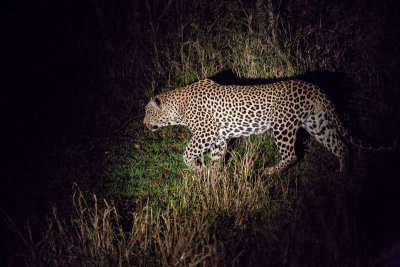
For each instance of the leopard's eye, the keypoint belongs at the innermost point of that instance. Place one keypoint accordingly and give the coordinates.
(158, 102)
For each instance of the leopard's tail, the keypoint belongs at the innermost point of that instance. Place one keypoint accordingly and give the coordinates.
(349, 138)
(370, 145)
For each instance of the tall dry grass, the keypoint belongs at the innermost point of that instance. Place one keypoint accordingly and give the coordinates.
(203, 220)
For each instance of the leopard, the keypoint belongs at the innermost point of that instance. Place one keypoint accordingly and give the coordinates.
(216, 113)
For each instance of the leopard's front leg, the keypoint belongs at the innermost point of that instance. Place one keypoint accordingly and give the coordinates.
(192, 152)
(218, 151)
(204, 138)
(197, 146)
(285, 143)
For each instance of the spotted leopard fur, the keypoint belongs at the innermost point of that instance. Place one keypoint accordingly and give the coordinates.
(215, 113)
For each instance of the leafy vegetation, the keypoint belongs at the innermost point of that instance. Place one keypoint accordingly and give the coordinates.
(134, 202)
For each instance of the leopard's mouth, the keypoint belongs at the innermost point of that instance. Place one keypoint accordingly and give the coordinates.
(152, 128)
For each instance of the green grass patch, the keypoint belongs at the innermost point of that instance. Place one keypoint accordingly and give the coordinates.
(146, 167)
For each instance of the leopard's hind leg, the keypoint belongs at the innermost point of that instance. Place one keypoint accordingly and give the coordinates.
(319, 126)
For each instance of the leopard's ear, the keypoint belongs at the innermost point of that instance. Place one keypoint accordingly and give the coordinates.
(155, 102)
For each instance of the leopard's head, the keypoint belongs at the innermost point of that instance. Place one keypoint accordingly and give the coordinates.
(161, 111)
